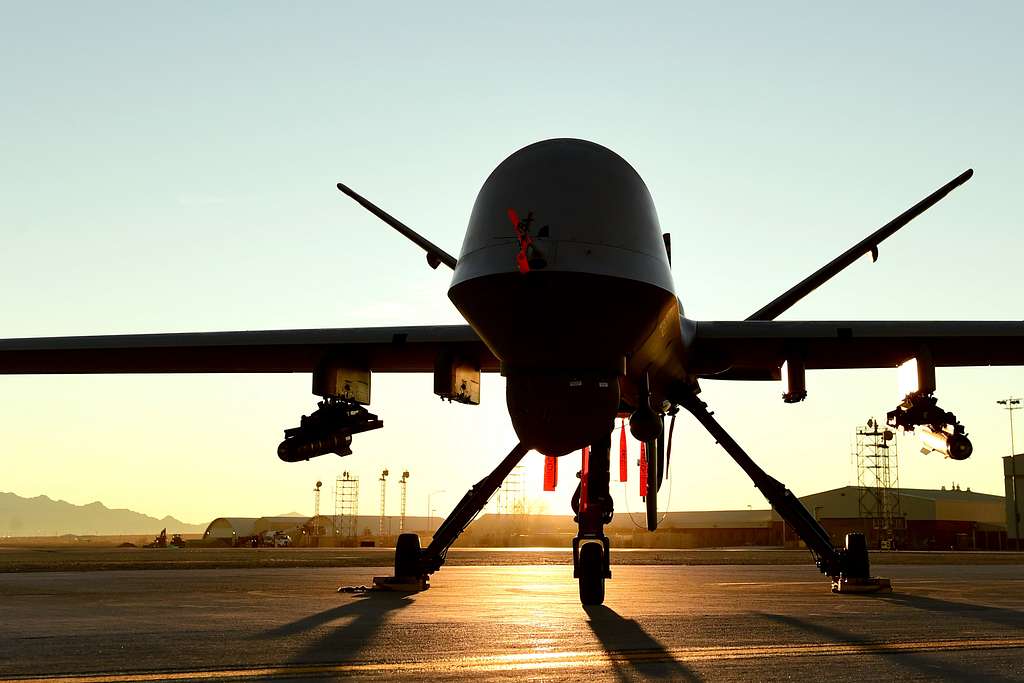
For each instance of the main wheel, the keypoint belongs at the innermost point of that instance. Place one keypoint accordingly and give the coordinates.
(858, 565)
(407, 555)
(591, 572)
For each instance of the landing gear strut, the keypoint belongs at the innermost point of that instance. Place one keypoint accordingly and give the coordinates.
(655, 472)
(848, 567)
(412, 565)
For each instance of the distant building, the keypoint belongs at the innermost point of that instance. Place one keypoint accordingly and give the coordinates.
(933, 520)
(305, 530)
(231, 528)
(1013, 472)
(240, 530)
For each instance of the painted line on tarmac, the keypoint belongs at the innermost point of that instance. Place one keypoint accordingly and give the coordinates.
(588, 659)
(770, 583)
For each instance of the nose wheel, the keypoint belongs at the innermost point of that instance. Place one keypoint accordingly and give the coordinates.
(591, 569)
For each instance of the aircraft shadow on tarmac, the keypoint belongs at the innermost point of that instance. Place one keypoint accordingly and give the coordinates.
(959, 610)
(622, 637)
(368, 611)
(922, 662)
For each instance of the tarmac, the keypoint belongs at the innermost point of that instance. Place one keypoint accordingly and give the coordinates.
(720, 622)
(85, 557)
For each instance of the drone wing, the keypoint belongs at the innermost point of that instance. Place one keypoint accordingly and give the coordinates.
(756, 350)
(378, 349)
(868, 245)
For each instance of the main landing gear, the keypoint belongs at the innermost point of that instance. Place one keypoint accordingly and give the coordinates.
(413, 566)
(849, 567)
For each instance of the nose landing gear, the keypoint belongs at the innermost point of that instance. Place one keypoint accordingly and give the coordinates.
(592, 504)
(591, 548)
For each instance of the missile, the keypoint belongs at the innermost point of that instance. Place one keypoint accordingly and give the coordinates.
(956, 446)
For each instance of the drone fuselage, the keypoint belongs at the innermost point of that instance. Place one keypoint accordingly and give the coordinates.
(565, 275)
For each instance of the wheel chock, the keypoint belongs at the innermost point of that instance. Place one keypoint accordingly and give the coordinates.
(854, 585)
(401, 584)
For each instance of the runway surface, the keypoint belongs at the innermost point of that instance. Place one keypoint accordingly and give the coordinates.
(50, 558)
(659, 622)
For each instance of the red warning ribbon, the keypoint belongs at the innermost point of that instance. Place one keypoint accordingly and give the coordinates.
(525, 241)
(584, 476)
(643, 469)
(550, 472)
(622, 452)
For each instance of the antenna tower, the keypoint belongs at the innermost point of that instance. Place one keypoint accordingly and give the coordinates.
(405, 485)
(346, 505)
(383, 493)
(511, 499)
(878, 481)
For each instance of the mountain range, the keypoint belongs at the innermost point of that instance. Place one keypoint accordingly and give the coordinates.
(43, 516)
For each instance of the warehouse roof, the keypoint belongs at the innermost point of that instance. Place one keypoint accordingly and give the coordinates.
(927, 494)
(242, 526)
(951, 494)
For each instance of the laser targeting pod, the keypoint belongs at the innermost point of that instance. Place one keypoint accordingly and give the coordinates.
(341, 414)
(328, 429)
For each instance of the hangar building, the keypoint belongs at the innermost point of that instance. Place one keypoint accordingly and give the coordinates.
(241, 530)
(932, 520)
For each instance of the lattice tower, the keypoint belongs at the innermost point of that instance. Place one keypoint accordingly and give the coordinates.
(511, 497)
(346, 505)
(878, 483)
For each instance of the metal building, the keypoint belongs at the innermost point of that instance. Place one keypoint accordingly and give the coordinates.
(239, 530)
(1013, 472)
(943, 519)
(231, 528)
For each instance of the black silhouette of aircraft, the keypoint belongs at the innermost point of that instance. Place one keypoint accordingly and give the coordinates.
(565, 282)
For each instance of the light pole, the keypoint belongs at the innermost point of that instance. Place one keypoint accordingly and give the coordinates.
(1011, 404)
(430, 510)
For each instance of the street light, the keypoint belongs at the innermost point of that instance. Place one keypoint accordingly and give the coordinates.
(1011, 404)
(430, 510)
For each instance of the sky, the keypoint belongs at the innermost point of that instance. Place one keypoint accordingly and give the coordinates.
(173, 168)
